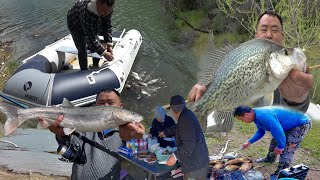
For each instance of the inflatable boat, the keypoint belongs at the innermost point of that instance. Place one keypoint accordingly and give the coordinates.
(52, 74)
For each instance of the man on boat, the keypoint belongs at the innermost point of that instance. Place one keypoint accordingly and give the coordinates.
(86, 19)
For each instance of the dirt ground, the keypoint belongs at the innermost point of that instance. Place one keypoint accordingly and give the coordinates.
(259, 149)
(7, 174)
(215, 144)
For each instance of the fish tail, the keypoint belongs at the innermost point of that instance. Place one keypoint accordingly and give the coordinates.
(13, 120)
(220, 121)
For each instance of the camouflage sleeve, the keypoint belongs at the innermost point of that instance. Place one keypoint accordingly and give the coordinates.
(205, 81)
(106, 28)
(89, 24)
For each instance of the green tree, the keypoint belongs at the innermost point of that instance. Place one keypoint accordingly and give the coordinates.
(301, 18)
(301, 21)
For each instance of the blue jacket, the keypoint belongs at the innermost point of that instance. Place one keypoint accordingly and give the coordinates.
(277, 120)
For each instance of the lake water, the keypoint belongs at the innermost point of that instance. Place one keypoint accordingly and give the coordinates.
(33, 24)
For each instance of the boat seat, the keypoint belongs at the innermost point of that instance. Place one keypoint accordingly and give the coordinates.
(73, 50)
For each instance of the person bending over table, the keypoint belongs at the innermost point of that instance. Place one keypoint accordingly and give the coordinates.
(162, 126)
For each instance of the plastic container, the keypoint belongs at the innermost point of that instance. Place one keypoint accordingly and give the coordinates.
(151, 142)
(125, 150)
(142, 145)
(134, 146)
(162, 157)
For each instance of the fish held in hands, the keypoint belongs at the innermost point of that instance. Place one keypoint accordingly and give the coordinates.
(244, 74)
(84, 119)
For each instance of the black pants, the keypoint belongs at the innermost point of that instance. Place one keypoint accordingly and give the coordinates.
(80, 42)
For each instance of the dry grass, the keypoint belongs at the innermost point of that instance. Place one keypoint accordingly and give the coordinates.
(242, 132)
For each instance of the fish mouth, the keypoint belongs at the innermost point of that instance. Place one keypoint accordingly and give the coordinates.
(140, 119)
(137, 119)
(300, 58)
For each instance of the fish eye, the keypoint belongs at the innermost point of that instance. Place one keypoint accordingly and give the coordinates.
(286, 52)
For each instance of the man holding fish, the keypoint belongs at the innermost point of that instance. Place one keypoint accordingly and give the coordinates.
(294, 90)
(100, 164)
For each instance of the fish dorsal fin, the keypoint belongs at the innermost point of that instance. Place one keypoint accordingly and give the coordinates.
(66, 103)
(212, 60)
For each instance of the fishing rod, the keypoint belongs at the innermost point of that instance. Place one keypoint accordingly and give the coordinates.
(77, 134)
(13, 101)
(316, 66)
(96, 145)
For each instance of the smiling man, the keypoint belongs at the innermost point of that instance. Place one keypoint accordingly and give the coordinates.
(294, 90)
(100, 165)
(86, 19)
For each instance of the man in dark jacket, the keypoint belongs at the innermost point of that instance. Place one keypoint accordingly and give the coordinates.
(192, 151)
(86, 19)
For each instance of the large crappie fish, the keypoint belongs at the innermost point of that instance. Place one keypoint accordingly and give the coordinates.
(250, 71)
(84, 119)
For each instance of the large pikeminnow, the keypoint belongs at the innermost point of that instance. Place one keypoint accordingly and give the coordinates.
(84, 119)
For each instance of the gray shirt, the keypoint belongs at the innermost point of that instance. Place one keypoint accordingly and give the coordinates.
(100, 165)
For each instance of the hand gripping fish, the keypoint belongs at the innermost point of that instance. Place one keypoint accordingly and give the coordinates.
(84, 119)
(241, 75)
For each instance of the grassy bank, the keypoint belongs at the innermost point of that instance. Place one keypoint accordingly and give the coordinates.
(6, 69)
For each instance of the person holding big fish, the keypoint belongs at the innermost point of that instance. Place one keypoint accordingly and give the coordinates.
(100, 165)
(260, 72)
(249, 73)
(294, 90)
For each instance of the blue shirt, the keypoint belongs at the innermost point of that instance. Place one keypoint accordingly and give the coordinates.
(276, 120)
